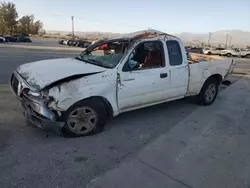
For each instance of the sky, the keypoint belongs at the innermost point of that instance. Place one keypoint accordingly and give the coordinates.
(123, 16)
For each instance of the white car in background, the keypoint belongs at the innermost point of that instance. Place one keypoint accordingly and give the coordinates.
(213, 51)
(65, 42)
(235, 52)
(207, 50)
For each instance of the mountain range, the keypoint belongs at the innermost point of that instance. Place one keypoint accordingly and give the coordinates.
(234, 37)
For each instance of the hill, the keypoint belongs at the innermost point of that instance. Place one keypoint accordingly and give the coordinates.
(237, 37)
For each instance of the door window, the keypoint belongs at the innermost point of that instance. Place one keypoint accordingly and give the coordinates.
(146, 55)
(174, 53)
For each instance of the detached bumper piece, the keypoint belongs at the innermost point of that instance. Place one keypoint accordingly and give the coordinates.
(39, 116)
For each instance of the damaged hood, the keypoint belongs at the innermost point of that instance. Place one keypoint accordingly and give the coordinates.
(43, 73)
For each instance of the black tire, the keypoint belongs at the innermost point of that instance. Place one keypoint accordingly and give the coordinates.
(97, 106)
(229, 55)
(209, 53)
(248, 56)
(201, 98)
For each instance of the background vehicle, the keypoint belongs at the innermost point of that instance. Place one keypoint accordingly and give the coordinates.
(65, 42)
(207, 51)
(217, 51)
(2, 39)
(245, 53)
(60, 41)
(213, 51)
(195, 50)
(114, 76)
(70, 42)
(11, 39)
(236, 52)
(84, 44)
(24, 39)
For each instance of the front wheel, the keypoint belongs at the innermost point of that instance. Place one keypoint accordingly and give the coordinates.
(208, 92)
(248, 56)
(84, 118)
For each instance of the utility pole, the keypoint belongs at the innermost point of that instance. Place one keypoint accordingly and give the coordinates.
(209, 38)
(226, 40)
(73, 32)
(230, 41)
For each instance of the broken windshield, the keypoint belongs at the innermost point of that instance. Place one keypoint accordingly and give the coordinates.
(106, 54)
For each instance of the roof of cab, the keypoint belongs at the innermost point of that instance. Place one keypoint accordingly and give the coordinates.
(149, 33)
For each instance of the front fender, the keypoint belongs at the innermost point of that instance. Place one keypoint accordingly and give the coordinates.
(67, 94)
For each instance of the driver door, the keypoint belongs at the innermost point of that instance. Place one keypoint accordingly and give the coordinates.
(142, 87)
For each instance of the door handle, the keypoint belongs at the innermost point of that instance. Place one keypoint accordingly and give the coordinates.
(129, 79)
(163, 75)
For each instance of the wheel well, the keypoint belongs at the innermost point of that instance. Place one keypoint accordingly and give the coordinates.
(218, 77)
(105, 102)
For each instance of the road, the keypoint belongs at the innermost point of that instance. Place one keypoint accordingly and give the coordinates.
(49, 42)
(13, 57)
(30, 157)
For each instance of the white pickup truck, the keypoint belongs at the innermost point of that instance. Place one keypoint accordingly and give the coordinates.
(77, 96)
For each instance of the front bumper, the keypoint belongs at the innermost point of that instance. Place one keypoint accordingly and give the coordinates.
(34, 108)
(39, 116)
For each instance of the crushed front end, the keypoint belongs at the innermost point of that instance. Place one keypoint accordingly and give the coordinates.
(35, 105)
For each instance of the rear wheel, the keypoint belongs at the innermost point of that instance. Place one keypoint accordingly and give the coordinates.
(209, 53)
(208, 92)
(248, 56)
(229, 55)
(84, 118)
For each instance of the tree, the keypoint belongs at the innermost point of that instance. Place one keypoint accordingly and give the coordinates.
(24, 25)
(36, 27)
(9, 23)
(8, 17)
(27, 25)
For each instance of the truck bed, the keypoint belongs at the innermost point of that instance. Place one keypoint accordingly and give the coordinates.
(201, 67)
(196, 58)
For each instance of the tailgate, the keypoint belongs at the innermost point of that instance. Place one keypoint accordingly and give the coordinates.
(231, 68)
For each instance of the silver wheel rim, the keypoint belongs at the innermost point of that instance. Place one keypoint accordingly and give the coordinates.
(210, 93)
(82, 120)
